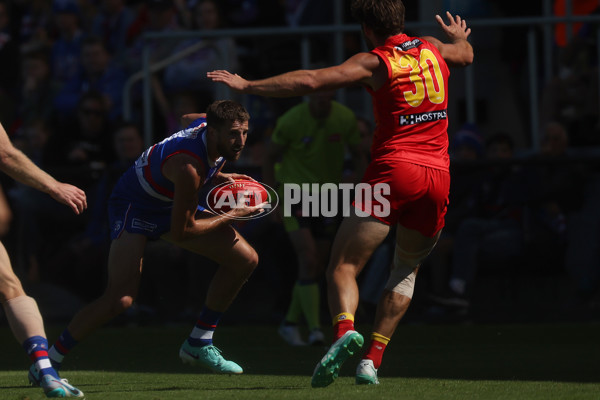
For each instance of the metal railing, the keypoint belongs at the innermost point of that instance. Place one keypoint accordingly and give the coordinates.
(337, 31)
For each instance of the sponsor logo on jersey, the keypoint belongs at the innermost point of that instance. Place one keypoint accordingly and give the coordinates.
(411, 44)
(429, 116)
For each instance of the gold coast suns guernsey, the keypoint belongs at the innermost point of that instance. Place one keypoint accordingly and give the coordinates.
(411, 108)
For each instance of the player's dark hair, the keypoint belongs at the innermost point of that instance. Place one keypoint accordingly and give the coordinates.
(384, 17)
(222, 111)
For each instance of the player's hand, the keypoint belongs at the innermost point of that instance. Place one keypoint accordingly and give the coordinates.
(234, 81)
(456, 28)
(243, 210)
(231, 178)
(71, 196)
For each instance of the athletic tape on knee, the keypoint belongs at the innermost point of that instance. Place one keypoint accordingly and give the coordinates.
(403, 274)
(24, 318)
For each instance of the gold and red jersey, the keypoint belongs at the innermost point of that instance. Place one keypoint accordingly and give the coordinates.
(411, 107)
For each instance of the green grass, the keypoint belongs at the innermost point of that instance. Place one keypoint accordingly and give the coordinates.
(550, 361)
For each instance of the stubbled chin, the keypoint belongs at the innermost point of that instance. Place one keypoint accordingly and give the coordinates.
(233, 156)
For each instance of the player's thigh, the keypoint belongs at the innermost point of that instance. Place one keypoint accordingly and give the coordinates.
(125, 263)
(356, 240)
(224, 245)
(413, 242)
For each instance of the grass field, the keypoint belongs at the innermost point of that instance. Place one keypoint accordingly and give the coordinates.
(537, 361)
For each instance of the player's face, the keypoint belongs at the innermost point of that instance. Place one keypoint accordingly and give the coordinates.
(232, 139)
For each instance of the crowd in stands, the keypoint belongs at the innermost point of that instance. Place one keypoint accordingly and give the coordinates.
(65, 65)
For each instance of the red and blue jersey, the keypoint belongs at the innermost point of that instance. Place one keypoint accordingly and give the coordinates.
(144, 183)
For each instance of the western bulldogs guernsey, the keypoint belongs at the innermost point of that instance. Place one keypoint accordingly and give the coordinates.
(143, 197)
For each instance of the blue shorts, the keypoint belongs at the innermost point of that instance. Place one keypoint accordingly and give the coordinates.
(125, 215)
(150, 222)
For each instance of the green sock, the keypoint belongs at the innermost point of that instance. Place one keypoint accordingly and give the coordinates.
(310, 298)
(295, 308)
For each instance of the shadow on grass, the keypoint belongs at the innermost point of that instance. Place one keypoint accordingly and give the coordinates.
(548, 352)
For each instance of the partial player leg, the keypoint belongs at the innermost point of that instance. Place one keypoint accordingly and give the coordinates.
(237, 260)
(124, 273)
(411, 249)
(27, 326)
(356, 240)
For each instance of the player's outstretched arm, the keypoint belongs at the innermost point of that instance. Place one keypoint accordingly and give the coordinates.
(459, 52)
(19, 167)
(358, 69)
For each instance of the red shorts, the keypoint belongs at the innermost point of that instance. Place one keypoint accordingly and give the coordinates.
(418, 195)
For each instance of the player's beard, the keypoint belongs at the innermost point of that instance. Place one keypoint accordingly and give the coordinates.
(229, 152)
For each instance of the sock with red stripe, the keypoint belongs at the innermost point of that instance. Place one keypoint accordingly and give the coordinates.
(202, 333)
(61, 348)
(342, 323)
(37, 350)
(376, 349)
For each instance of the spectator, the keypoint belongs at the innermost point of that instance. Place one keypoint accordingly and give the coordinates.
(494, 231)
(32, 139)
(34, 211)
(99, 74)
(308, 12)
(38, 89)
(82, 258)
(9, 59)
(558, 189)
(66, 50)
(571, 97)
(466, 150)
(112, 24)
(33, 22)
(258, 13)
(155, 16)
(560, 217)
(180, 103)
(213, 53)
(84, 142)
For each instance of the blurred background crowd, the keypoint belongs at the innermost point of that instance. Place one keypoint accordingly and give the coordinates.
(522, 240)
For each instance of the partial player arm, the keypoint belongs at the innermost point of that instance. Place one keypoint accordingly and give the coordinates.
(459, 53)
(19, 167)
(187, 119)
(358, 69)
(187, 175)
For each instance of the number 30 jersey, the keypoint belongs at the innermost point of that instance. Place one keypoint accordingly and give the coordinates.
(411, 107)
